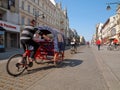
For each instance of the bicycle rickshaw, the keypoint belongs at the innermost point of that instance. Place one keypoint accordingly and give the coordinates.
(44, 54)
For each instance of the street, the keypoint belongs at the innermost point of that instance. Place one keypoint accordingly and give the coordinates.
(88, 69)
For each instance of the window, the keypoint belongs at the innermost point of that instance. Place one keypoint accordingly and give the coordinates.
(22, 6)
(29, 8)
(28, 21)
(33, 11)
(11, 3)
(38, 2)
(23, 21)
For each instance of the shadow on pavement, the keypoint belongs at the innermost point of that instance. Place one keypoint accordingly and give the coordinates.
(70, 63)
(47, 67)
(78, 52)
(65, 63)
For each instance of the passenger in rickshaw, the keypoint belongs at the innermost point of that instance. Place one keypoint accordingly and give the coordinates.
(39, 36)
(61, 47)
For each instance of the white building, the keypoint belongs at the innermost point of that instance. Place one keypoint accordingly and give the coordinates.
(110, 29)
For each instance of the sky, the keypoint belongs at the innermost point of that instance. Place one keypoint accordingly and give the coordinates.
(85, 14)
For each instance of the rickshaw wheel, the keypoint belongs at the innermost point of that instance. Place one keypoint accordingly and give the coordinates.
(59, 59)
(39, 61)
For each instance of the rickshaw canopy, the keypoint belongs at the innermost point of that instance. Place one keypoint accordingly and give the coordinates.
(54, 32)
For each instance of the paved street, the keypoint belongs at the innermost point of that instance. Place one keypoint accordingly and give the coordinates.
(89, 69)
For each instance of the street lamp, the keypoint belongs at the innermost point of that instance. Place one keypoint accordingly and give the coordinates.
(36, 17)
(108, 5)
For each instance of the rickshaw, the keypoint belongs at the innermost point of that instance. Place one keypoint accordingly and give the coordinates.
(44, 54)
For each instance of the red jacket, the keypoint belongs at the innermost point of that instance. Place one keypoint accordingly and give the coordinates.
(98, 42)
(115, 41)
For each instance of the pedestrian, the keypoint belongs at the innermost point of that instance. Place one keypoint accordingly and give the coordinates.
(115, 42)
(88, 44)
(98, 43)
(61, 47)
(73, 43)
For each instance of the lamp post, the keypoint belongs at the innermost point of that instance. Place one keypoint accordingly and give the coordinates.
(109, 7)
(36, 17)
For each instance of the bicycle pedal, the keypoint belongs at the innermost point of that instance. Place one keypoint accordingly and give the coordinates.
(17, 65)
(30, 64)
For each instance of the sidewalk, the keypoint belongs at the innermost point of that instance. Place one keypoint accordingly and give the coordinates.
(9, 52)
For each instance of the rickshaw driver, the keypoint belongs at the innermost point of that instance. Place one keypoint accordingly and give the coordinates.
(26, 39)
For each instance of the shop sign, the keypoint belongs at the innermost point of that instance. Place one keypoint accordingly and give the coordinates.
(9, 26)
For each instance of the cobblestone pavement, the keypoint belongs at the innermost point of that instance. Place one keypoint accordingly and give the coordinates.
(23, 82)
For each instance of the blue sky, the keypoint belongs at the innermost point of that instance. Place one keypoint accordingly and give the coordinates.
(85, 14)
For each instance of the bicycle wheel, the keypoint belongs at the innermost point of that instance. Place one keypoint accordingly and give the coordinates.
(72, 50)
(110, 48)
(117, 48)
(75, 50)
(13, 67)
(61, 56)
(39, 61)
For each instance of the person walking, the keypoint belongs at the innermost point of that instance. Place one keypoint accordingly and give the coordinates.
(88, 44)
(115, 42)
(98, 43)
(61, 47)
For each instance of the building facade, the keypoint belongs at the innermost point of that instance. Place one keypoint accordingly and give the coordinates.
(14, 14)
(45, 12)
(9, 22)
(110, 29)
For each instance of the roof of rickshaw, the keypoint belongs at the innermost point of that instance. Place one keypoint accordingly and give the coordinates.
(48, 30)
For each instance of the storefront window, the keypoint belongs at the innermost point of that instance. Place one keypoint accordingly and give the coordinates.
(2, 39)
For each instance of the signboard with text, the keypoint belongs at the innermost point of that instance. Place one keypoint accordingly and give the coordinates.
(10, 26)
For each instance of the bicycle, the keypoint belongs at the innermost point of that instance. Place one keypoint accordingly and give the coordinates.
(113, 47)
(14, 68)
(73, 49)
